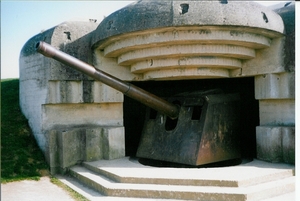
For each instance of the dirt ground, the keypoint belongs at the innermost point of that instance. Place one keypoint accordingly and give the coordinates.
(28, 190)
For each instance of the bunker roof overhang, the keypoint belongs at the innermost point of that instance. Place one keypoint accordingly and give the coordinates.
(231, 30)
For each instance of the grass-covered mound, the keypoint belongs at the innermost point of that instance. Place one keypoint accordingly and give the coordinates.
(21, 157)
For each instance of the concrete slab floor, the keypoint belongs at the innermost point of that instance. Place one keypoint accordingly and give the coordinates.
(285, 197)
(28, 190)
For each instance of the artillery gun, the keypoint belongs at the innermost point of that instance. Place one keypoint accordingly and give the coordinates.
(193, 128)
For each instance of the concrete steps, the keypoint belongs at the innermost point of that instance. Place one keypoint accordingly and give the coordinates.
(126, 178)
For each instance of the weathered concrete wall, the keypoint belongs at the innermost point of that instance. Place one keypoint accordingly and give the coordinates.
(146, 15)
(34, 73)
(58, 101)
(74, 145)
(276, 95)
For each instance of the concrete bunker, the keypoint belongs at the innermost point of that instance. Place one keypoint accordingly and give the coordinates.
(185, 45)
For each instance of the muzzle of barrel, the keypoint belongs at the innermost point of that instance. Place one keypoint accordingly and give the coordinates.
(44, 49)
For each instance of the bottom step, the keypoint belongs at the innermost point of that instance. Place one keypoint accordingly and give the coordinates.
(93, 195)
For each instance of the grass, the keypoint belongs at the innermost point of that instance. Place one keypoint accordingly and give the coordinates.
(21, 158)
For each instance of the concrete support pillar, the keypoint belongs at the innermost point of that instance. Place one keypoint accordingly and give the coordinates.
(81, 127)
(105, 143)
(275, 136)
(72, 146)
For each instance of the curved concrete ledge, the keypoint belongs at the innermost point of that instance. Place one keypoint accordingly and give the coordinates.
(190, 73)
(186, 62)
(145, 15)
(182, 36)
(182, 30)
(180, 52)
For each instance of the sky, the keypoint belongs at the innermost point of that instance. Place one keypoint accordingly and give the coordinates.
(21, 20)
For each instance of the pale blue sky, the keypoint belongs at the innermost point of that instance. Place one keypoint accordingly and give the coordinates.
(20, 20)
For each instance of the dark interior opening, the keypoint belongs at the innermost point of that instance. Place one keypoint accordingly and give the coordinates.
(171, 124)
(153, 114)
(135, 112)
(196, 113)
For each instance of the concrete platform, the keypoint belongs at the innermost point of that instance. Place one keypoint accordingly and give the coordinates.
(127, 178)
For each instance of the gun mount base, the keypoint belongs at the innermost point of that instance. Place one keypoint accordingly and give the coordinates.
(206, 131)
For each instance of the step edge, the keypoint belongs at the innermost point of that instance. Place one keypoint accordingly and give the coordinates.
(128, 192)
(192, 182)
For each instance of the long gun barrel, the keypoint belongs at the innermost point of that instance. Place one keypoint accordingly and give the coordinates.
(127, 89)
